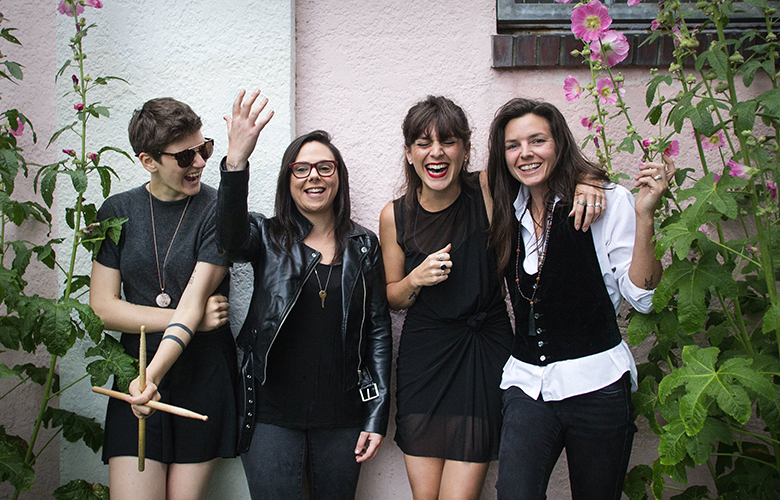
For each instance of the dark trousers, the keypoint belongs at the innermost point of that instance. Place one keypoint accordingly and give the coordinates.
(274, 464)
(596, 429)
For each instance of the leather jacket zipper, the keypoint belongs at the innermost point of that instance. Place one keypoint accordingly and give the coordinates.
(362, 324)
(287, 313)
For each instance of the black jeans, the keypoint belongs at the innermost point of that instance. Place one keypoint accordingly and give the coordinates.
(597, 430)
(275, 461)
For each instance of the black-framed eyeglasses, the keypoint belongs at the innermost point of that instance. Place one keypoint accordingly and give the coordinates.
(186, 157)
(302, 169)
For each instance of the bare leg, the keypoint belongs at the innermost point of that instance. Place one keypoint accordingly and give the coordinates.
(462, 480)
(424, 476)
(128, 484)
(189, 481)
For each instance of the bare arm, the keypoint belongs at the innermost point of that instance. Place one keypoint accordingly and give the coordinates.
(204, 280)
(402, 289)
(122, 316)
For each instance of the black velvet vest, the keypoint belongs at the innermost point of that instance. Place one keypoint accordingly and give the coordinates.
(574, 316)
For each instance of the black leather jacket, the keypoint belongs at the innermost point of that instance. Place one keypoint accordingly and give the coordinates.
(279, 277)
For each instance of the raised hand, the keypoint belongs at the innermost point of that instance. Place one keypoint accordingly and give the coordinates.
(244, 127)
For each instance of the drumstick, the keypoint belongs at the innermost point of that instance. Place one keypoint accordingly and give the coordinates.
(142, 387)
(156, 405)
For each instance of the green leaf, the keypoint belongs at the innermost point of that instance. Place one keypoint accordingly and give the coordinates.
(58, 331)
(91, 321)
(39, 375)
(645, 401)
(627, 145)
(6, 34)
(79, 179)
(115, 361)
(48, 185)
(78, 489)
(749, 71)
(745, 114)
(75, 427)
(772, 319)
(637, 480)
(671, 447)
(678, 236)
(59, 132)
(101, 111)
(6, 372)
(12, 467)
(697, 492)
(15, 69)
(62, 69)
(710, 195)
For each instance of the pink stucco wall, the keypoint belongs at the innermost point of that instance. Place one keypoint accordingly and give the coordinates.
(361, 65)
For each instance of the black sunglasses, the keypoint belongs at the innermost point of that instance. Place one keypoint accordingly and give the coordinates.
(186, 157)
(302, 169)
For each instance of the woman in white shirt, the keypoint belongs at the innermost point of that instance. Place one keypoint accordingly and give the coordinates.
(568, 381)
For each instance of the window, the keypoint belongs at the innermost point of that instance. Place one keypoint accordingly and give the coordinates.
(536, 33)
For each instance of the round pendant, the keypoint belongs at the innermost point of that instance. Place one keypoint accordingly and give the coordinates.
(163, 300)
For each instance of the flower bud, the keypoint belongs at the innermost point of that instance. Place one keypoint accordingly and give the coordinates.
(69, 152)
(721, 87)
(736, 58)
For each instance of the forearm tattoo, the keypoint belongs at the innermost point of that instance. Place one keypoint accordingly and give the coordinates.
(192, 276)
(413, 295)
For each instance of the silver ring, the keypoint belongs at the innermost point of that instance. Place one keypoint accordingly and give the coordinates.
(439, 256)
(658, 177)
(581, 202)
(597, 205)
(590, 205)
(443, 272)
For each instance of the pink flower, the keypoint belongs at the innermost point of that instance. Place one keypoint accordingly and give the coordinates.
(99, 5)
(75, 80)
(589, 21)
(607, 93)
(771, 188)
(572, 88)
(654, 25)
(93, 157)
(599, 128)
(611, 46)
(19, 128)
(673, 149)
(739, 170)
(677, 35)
(631, 3)
(79, 107)
(563, 1)
(716, 178)
(67, 8)
(648, 142)
(715, 141)
(69, 152)
(588, 121)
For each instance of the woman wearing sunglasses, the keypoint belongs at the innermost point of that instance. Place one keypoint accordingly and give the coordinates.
(316, 342)
(166, 264)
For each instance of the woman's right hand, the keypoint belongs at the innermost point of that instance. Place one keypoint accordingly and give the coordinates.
(137, 398)
(215, 314)
(244, 127)
(434, 269)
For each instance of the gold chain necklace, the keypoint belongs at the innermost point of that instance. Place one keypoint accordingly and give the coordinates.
(163, 299)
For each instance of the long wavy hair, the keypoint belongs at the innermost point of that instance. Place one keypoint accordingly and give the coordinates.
(448, 120)
(287, 223)
(570, 168)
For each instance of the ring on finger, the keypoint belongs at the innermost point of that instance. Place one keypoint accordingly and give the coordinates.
(443, 267)
(443, 272)
(590, 205)
(582, 202)
(597, 205)
(658, 177)
(439, 256)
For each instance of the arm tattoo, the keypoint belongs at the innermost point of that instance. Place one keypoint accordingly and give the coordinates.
(230, 166)
(649, 283)
(192, 276)
(413, 295)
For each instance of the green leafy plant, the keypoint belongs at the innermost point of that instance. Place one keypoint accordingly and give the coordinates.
(32, 322)
(710, 386)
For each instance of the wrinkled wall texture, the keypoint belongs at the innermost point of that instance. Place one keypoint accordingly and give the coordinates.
(350, 67)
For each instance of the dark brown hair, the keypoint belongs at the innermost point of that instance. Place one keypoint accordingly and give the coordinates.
(447, 119)
(570, 168)
(160, 122)
(286, 225)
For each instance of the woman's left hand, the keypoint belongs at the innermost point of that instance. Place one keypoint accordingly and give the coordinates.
(138, 399)
(652, 181)
(367, 446)
(590, 204)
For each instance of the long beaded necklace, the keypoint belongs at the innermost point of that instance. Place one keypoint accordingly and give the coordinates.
(542, 255)
(163, 299)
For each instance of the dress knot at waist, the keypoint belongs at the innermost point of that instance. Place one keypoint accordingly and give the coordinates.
(475, 321)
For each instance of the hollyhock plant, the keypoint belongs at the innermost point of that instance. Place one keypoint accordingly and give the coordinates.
(673, 149)
(589, 21)
(739, 170)
(713, 142)
(572, 88)
(648, 142)
(771, 188)
(19, 128)
(99, 5)
(588, 121)
(67, 8)
(631, 3)
(654, 25)
(78, 107)
(610, 48)
(607, 92)
(563, 1)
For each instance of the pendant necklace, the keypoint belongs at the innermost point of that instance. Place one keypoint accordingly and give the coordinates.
(542, 255)
(163, 299)
(323, 291)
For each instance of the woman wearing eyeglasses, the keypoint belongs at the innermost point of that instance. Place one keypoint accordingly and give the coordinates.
(316, 342)
(161, 274)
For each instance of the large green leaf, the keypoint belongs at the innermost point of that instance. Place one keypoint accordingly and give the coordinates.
(12, 467)
(114, 361)
(78, 489)
(75, 427)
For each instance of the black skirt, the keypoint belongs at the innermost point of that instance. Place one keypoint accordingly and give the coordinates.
(203, 380)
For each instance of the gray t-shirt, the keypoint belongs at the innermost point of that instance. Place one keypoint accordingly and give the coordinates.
(134, 255)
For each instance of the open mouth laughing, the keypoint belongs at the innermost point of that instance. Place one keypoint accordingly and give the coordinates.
(437, 170)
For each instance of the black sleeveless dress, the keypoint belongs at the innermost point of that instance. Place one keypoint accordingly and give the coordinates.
(456, 337)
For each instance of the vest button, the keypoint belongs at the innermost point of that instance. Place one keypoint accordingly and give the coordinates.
(249, 389)
(538, 331)
(536, 315)
(250, 401)
(542, 357)
(541, 343)
(363, 249)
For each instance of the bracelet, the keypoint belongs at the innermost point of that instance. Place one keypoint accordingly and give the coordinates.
(183, 327)
(175, 339)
